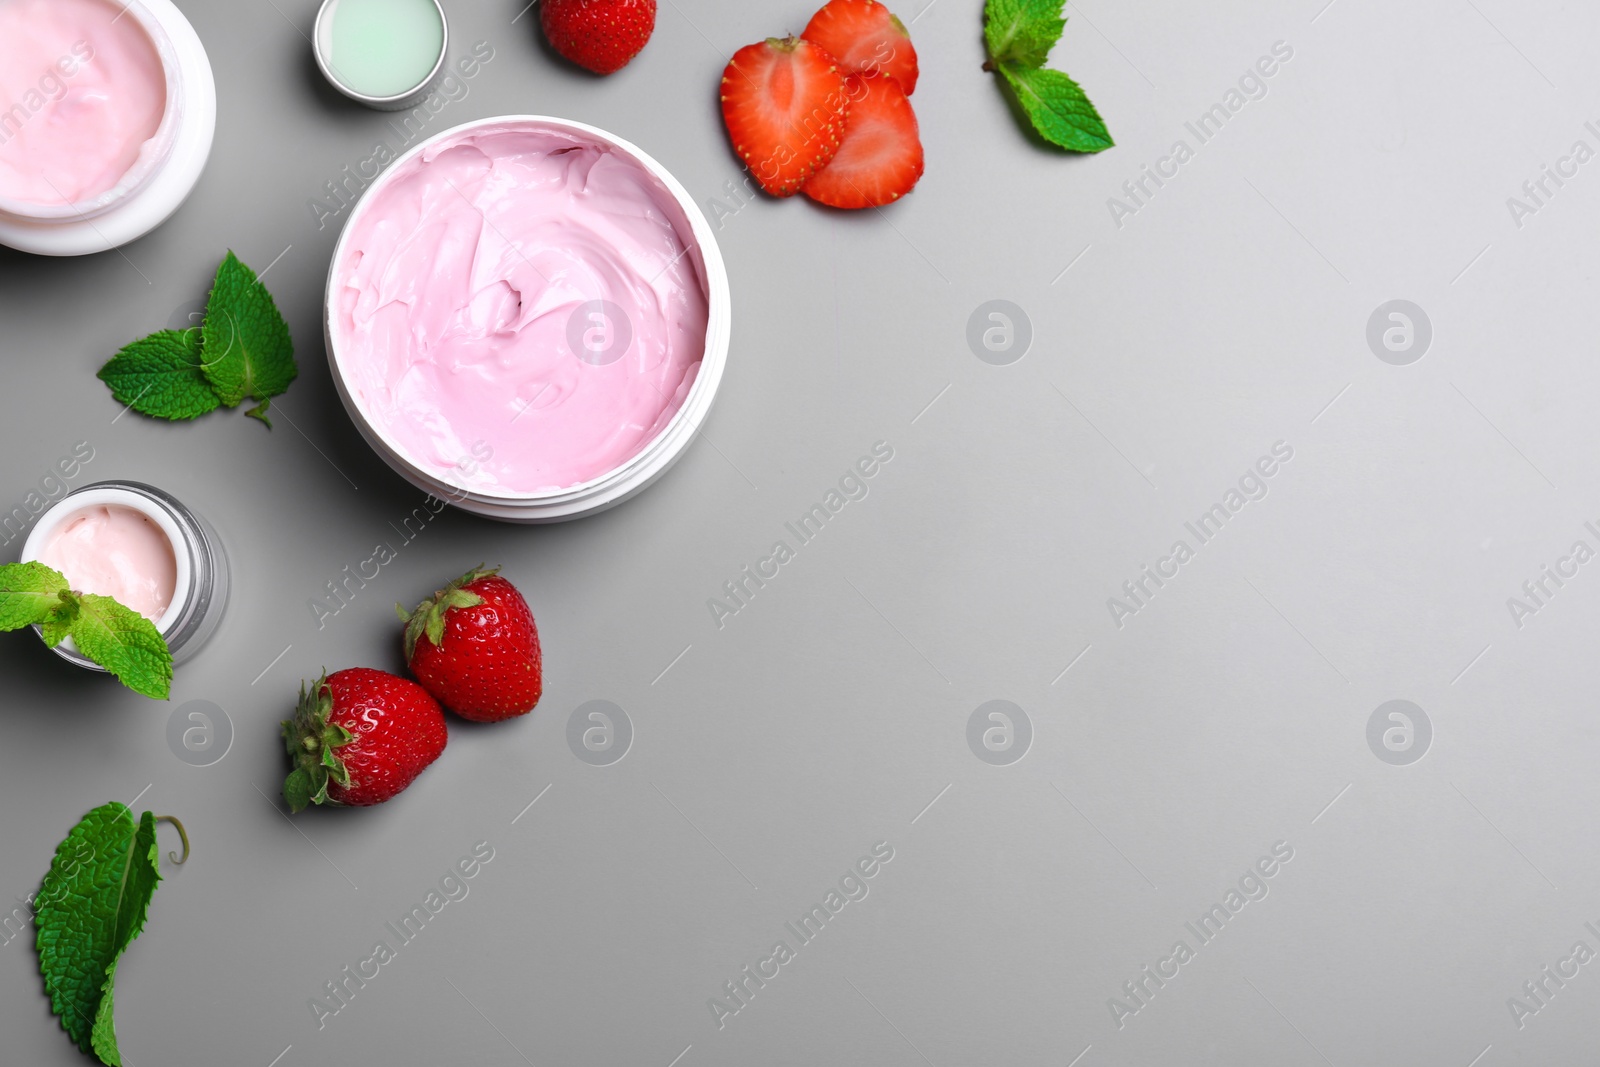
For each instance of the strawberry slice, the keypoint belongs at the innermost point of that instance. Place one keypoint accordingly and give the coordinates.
(784, 104)
(866, 39)
(881, 157)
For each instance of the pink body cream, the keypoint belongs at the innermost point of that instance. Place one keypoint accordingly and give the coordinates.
(82, 94)
(118, 552)
(515, 310)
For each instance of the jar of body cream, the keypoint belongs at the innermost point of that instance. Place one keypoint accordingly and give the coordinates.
(107, 111)
(563, 353)
(141, 546)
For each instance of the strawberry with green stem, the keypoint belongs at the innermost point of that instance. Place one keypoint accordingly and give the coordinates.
(474, 646)
(359, 737)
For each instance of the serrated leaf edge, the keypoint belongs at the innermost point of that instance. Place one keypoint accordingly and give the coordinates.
(99, 1034)
(1013, 76)
(157, 688)
(247, 386)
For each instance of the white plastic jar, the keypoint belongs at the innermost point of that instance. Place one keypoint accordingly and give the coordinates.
(40, 106)
(456, 484)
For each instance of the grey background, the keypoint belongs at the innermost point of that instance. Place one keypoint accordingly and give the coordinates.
(1168, 354)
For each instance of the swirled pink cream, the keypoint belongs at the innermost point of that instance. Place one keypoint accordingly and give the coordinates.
(515, 309)
(82, 92)
(116, 552)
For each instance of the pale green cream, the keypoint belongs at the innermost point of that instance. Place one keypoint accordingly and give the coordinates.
(384, 47)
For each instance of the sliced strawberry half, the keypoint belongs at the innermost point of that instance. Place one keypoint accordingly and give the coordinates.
(866, 39)
(784, 104)
(880, 159)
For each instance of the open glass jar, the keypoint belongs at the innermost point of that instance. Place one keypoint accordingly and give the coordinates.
(199, 580)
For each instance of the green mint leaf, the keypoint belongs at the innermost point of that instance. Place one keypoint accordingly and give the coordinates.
(1058, 109)
(92, 905)
(125, 643)
(1022, 31)
(59, 625)
(246, 351)
(30, 593)
(160, 376)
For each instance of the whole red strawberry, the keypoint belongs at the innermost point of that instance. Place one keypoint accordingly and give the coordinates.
(475, 647)
(359, 737)
(600, 35)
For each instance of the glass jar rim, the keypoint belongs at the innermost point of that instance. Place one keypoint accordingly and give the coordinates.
(147, 502)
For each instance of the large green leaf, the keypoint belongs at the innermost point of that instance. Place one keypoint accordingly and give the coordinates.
(125, 643)
(161, 376)
(246, 351)
(92, 905)
(1058, 108)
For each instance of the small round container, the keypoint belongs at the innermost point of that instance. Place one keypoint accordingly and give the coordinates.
(166, 171)
(651, 461)
(200, 594)
(355, 83)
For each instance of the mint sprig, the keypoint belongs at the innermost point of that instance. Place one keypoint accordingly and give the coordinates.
(93, 903)
(1019, 35)
(241, 351)
(116, 637)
